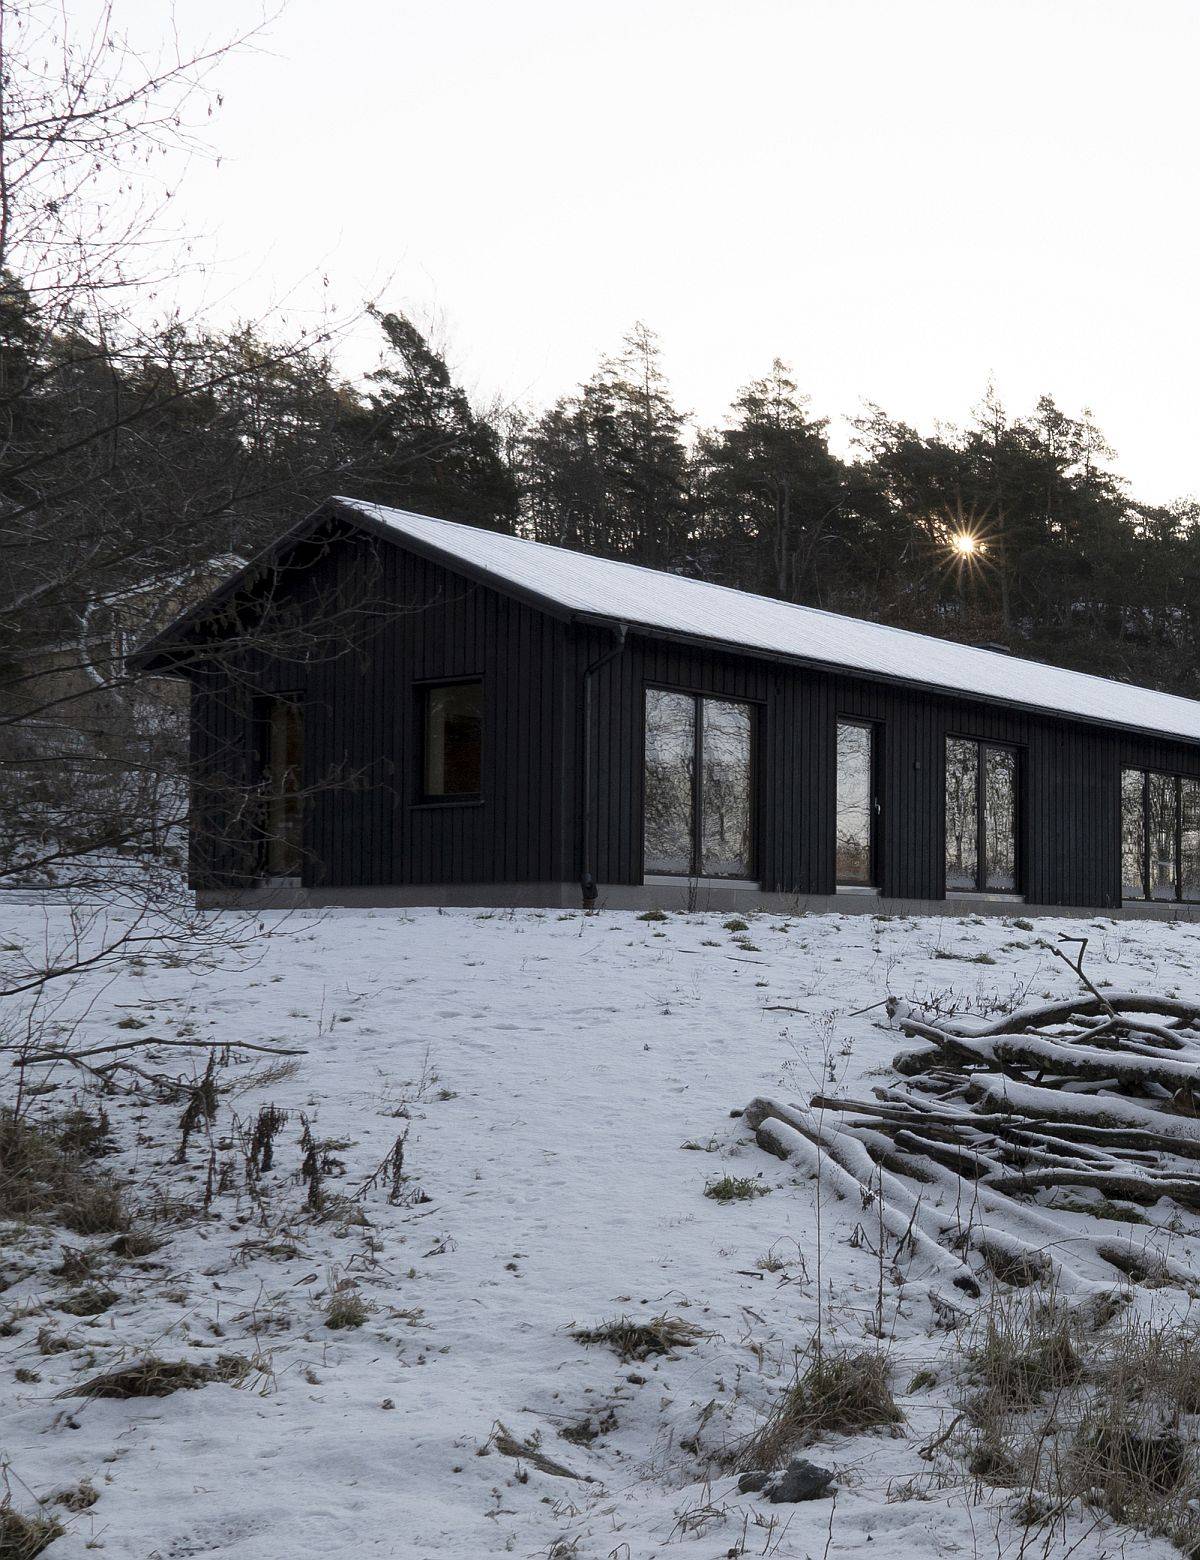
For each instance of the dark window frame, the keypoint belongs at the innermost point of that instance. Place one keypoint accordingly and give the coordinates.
(422, 690)
(874, 729)
(698, 697)
(982, 746)
(1148, 898)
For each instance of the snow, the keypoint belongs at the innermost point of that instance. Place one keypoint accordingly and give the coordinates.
(652, 599)
(566, 1083)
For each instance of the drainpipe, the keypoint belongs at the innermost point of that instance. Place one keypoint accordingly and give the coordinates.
(587, 877)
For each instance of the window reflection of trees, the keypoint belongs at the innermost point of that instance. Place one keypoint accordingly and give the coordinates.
(726, 797)
(962, 814)
(854, 804)
(707, 834)
(981, 816)
(1000, 819)
(1133, 834)
(1160, 836)
(1160, 803)
(1190, 839)
(670, 761)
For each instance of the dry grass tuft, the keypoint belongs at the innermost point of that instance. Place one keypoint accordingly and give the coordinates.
(1018, 1353)
(834, 1394)
(24, 1538)
(77, 1497)
(639, 1340)
(75, 1266)
(135, 1243)
(45, 1174)
(528, 1451)
(735, 1188)
(97, 1208)
(89, 1302)
(1134, 1452)
(1072, 1414)
(346, 1308)
(152, 1377)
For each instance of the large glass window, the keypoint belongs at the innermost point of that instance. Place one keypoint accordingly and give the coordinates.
(981, 817)
(1160, 836)
(962, 814)
(855, 827)
(698, 786)
(1163, 816)
(725, 798)
(453, 757)
(1000, 819)
(1133, 834)
(670, 782)
(1189, 839)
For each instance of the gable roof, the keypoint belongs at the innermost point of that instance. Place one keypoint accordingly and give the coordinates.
(574, 585)
(669, 604)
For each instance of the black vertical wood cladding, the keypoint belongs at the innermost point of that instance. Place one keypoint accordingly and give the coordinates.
(365, 823)
(366, 826)
(1069, 824)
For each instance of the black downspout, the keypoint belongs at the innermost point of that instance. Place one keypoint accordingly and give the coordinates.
(587, 877)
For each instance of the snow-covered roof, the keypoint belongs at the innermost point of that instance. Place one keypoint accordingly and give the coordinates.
(670, 604)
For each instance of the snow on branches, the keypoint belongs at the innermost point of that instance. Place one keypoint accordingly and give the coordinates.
(965, 1160)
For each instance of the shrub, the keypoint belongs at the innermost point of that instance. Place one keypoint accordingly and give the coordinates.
(653, 914)
(736, 924)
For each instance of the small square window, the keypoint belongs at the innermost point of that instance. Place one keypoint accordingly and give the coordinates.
(453, 762)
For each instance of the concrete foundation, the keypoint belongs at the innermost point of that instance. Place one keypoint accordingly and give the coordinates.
(667, 894)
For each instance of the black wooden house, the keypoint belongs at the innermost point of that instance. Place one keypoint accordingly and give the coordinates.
(389, 709)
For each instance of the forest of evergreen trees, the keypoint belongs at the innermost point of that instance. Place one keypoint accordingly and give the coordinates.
(120, 468)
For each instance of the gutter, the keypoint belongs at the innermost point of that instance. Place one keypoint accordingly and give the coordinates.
(587, 875)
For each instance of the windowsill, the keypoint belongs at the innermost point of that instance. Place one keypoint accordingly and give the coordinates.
(669, 879)
(991, 895)
(435, 803)
(857, 888)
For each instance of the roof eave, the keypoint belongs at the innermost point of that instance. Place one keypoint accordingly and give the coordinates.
(910, 684)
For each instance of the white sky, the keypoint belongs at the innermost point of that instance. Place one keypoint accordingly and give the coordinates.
(901, 198)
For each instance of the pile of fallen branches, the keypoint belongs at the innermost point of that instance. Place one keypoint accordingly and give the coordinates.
(1087, 1105)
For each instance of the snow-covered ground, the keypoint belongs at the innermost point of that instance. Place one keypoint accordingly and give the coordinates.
(566, 1083)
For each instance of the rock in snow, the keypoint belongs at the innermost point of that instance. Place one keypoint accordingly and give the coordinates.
(800, 1480)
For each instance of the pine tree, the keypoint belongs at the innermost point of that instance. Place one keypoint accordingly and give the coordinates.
(769, 490)
(607, 470)
(419, 444)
